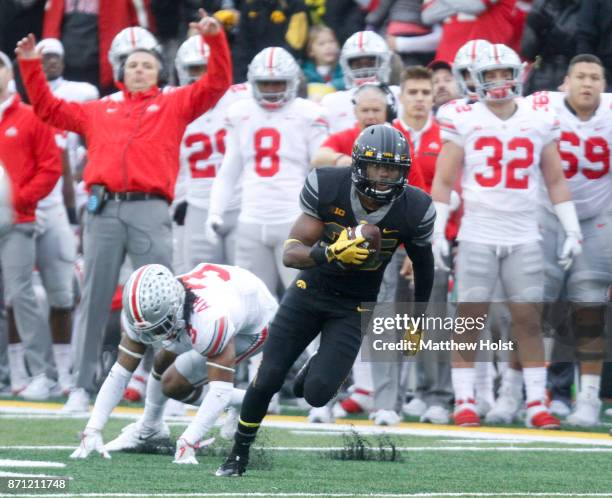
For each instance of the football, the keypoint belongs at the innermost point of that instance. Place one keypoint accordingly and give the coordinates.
(369, 232)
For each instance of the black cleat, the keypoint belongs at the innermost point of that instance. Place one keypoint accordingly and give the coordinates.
(234, 466)
(300, 378)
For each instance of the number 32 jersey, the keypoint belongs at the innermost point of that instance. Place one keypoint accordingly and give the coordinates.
(275, 149)
(501, 173)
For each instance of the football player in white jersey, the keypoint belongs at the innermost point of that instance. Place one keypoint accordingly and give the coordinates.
(365, 58)
(202, 151)
(585, 116)
(271, 139)
(207, 321)
(55, 240)
(506, 148)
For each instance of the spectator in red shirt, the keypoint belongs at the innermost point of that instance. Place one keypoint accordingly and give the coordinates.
(133, 161)
(33, 164)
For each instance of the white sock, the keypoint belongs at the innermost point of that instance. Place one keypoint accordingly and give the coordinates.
(535, 383)
(483, 380)
(590, 385)
(463, 383)
(63, 361)
(109, 396)
(155, 402)
(19, 375)
(512, 382)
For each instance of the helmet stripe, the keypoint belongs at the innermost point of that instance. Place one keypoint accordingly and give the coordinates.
(360, 41)
(134, 304)
(473, 54)
(271, 60)
(496, 54)
(132, 33)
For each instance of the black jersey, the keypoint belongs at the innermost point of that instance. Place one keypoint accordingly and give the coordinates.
(328, 195)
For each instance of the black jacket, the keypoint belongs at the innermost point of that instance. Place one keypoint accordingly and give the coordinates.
(549, 38)
(595, 31)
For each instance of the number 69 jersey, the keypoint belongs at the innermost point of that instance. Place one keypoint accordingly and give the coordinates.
(585, 153)
(230, 302)
(203, 148)
(275, 148)
(501, 173)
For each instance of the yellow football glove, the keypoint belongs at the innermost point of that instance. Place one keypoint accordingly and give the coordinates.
(413, 336)
(347, 251)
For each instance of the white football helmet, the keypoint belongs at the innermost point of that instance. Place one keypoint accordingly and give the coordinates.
(274, 64)
(498, 56)
(126, 41)
(464, 59)
(365, 44)
(193, 52)
(153, 301)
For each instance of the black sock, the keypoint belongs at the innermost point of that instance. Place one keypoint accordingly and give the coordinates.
(244, 437)
(254, 409)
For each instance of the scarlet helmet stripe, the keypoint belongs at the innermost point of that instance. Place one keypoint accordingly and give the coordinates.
(271, 60)
(473, 54)
(496, 54)
(255, 347)
(134, 304)
(133, 37)
(360, 40)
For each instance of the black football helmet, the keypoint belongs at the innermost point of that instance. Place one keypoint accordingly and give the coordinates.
(385, 151)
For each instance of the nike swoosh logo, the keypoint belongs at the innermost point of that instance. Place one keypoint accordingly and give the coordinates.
(388, 230)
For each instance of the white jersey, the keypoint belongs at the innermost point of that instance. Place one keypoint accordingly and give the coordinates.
(585, 153)
(501, 173)
(203, 148)
(274, 149)
(74, 91)
(340, 108)
(230, 302)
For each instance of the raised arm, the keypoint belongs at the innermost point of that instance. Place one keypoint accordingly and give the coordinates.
(52, 110)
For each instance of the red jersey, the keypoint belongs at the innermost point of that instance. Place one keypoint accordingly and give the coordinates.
(133, 141)
(30, 156)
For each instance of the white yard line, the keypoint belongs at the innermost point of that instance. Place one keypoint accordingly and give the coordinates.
(30, 464)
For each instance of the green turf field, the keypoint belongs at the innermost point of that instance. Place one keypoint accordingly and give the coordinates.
(303, 460)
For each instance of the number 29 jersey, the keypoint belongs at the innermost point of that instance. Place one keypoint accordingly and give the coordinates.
(203, 148)
(275, 149)
(501, 173)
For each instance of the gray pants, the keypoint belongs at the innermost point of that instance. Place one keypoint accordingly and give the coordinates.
(140, 229)
(196, 246)
(259, 249)
(17, 250)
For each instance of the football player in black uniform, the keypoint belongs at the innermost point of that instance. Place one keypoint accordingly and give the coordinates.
(338, 274)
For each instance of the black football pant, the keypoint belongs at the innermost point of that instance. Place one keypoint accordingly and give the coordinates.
(303, 313)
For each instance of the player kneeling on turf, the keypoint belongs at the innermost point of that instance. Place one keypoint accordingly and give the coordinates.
(206, 321)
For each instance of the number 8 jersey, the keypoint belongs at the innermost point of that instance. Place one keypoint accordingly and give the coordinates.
(273, 149)
(501, 173)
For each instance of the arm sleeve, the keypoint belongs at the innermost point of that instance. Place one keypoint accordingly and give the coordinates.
(229, 174)
(309, 197)
(587, 35)
(194, 100)
(419, 44)
(52, 110)
(48, 165)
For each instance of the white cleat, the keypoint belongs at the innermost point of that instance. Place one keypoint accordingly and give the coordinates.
(136, 435)
(385, 417)
(504, 410)
(586, 411)
(321, 415)
(41, 388)
(436, 414)
(78, 402)
(230, 424)
(415, 408)
(559, 408)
